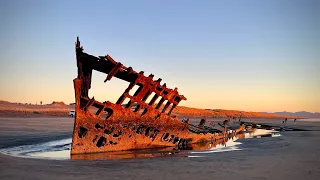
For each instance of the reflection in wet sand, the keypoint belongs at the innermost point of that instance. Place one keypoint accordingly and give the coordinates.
(148, 153)
(145, 153)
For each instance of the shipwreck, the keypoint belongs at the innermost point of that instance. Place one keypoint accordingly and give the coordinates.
(138, 124)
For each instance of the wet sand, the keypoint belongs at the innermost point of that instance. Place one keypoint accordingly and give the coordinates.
(294, 155)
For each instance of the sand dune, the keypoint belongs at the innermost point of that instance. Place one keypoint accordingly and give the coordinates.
(20, 109)
(218, 113)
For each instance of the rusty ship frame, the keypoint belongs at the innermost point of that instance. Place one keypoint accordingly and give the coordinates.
(136, 125)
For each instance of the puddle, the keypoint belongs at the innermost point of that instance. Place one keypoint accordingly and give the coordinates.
(233, 145)
(60, 149)
(258, 133)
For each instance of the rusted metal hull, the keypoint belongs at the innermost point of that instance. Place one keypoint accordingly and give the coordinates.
(155, 152)
(107, 126)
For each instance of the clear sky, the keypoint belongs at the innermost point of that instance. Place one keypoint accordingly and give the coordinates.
(254, 55)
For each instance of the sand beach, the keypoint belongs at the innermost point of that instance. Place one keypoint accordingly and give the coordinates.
(293, 155)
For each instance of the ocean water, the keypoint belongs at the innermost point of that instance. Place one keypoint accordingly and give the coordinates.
(309, 120)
